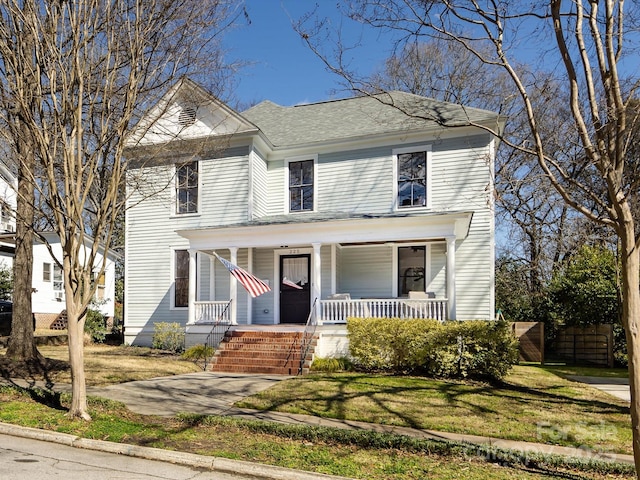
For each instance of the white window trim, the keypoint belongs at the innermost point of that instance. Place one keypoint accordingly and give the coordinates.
(427, 264)
(174, 198)
(398, 151)
(58, 293)
(287, 202)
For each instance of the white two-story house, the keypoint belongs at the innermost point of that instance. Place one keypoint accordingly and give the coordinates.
(372, 206)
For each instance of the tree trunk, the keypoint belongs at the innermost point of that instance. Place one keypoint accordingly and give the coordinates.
(76, 319)
(22, 344)
(631, 321)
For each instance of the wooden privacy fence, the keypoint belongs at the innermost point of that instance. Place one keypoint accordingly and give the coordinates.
(592, 345)
(531, 337)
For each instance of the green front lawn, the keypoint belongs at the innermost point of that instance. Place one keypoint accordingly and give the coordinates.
(532, 404)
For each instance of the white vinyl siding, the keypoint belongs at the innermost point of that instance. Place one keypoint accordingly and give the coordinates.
(460, 174)
(277, 196)
(358, 181)
(259, 179)
(225, 191)
(150, 241)
(475, 270)
(438, 271)
(263, 306)
(366, 271)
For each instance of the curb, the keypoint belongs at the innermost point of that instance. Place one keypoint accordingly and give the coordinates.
(223, 465)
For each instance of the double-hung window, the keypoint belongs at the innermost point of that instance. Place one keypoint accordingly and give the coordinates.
(99, 279)
(412, 177)
(301, 177)
(181, 279)
(52, 272)
(187, 188)
(46, 272)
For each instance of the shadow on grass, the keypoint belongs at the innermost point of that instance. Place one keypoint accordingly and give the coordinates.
(401, 399)
(33, 377)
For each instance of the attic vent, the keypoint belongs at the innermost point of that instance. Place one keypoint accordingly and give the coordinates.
(187, 116)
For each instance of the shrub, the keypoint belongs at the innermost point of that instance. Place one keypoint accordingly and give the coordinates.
(168, 336)
(331, 365)
(198, 352)
(470, 349)
(95, 325)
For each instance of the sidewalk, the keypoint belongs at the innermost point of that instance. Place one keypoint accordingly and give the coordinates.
(618, 387)
(215, 393)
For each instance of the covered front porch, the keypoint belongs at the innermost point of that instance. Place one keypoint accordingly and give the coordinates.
(328, 269)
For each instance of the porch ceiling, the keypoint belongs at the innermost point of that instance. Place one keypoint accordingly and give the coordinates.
(304, 230)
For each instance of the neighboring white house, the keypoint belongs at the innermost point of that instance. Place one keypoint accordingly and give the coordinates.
(48, 289)
(359, 204)
(8, 188)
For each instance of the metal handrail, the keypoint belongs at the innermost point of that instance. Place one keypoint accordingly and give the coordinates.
(216, 334)
(307, 335)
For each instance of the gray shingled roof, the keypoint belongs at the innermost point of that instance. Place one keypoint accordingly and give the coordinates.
(359, 117)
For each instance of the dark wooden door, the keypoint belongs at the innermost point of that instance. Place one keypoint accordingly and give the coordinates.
(295, 288)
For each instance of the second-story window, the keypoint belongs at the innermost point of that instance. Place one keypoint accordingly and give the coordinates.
(412, 179)
(301, 186)
(187, 188)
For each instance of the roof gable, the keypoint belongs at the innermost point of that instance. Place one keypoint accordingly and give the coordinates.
(186, 112)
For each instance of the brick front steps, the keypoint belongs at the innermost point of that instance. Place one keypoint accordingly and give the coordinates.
(268, 352)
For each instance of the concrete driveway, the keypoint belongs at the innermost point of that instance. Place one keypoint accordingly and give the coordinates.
(203, 393)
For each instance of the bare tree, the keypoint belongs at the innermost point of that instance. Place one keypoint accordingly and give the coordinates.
(542, 231)
(582, 46)
(75, 76)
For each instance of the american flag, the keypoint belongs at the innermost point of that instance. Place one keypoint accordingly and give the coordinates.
(252, 284)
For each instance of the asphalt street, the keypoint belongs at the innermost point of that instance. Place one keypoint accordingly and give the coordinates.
(26, 459)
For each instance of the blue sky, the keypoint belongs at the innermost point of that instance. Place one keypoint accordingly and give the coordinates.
(283, 69)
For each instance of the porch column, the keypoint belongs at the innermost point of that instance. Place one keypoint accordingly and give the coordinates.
(191, 314)
(249, 297)
(233, 288)
(451, 277)
(316, 290)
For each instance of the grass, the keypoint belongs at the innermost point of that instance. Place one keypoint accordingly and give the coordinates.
(356, 454)
(108, 365)
(533, 403)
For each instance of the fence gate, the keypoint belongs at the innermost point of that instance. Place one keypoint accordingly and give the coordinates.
(591, 345)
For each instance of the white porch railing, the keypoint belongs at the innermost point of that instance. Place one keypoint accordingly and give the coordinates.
(212, 312)
(339, 310)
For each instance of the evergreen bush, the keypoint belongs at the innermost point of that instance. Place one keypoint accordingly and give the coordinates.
(468, 349)
(95, 325)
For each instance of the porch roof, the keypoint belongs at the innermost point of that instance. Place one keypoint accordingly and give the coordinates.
(340, 228)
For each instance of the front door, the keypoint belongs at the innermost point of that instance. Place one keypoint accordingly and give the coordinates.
(295, 288)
